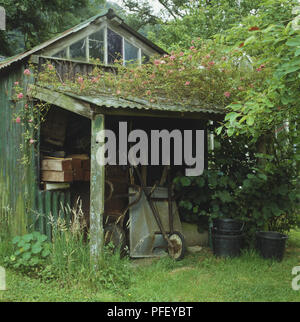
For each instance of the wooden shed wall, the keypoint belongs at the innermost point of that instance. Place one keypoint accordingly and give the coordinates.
(27, 207)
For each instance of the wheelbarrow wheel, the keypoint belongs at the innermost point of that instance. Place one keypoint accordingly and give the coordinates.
(177, 251)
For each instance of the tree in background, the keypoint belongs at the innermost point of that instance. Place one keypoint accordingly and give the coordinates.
(30, 22)
(180, 21)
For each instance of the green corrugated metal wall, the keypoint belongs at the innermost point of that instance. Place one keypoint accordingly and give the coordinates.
(28, 207)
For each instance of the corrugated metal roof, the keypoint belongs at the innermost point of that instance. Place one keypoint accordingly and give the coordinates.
(108, 12)
(108, 101)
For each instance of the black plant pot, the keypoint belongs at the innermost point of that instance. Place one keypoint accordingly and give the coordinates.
(271, 244)
(227, 245)
(227, 226)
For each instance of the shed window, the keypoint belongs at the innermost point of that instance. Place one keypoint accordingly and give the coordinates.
(78, 50)
(114, 46)
(61, 54)
(96, 45)
(131, 53)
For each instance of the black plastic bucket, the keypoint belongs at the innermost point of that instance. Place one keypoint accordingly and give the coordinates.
(227, 245)
(271, 244)
(227, 226)
(226, 232)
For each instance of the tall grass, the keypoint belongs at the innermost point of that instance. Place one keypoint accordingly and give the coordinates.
(5, 233)
(70, 251)
(70, 258)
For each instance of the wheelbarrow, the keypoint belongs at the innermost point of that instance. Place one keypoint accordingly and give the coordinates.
(174, 240)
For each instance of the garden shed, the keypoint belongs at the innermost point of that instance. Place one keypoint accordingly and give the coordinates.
(61, 163)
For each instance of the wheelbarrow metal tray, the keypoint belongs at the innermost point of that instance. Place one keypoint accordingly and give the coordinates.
(145, 237)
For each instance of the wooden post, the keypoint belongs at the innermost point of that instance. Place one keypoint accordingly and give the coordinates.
(97, 192)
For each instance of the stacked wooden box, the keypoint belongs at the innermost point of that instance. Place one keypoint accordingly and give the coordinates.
(66, 170)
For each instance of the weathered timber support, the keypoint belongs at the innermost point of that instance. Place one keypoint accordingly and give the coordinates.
(97, 189)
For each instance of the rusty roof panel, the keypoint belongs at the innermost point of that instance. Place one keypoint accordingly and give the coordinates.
(140, 104)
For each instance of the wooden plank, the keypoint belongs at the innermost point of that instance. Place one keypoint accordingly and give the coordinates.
(56, 164)
(56, 186)
(64, 101)
(97, 191)
(57, 176)
(79, 156)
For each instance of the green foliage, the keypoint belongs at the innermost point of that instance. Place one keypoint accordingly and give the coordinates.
(39, 20)
(181, 21)
(271, 40)
(203, 19)
(31, 252)
(260, 189)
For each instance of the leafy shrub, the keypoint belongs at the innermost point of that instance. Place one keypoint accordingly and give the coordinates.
(30, 252)
(260, 189)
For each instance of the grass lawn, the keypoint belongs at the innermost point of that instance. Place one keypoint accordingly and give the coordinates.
(198, 278)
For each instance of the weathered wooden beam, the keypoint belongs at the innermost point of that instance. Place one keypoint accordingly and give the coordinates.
(97, 187)
(59, 99)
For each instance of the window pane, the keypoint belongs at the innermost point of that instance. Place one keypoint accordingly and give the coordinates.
(145, 58)
(131, 53)
(114, 44)
(61, 54)
(77, 50)
(96, 43)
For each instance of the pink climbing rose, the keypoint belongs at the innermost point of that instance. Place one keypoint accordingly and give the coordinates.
(80, 80)
(27, 72)
(18, 120)
(20, 95)
(227, 94)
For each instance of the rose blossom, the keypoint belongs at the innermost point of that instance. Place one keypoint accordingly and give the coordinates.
(27, 72)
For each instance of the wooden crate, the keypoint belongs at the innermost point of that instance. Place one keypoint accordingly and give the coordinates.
(57, 164)
(57, 176)
(78, 174)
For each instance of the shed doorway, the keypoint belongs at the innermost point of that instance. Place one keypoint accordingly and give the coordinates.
(65, 164)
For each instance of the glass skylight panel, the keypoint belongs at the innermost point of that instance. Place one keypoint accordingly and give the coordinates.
(78, 50)
(131, 53)
(114, 46)
(61, 54)
(96, 45)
